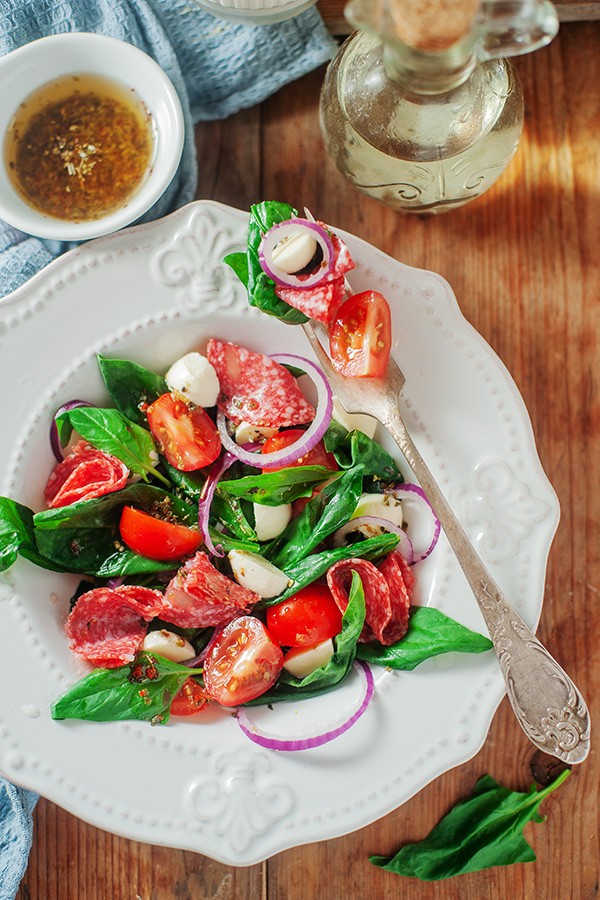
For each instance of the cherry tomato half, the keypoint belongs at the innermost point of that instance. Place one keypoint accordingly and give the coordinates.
(360, 339)
(190, 700)
(307, 618)
(184, 434)
(155, 538)
(242, 663)
(318, 456)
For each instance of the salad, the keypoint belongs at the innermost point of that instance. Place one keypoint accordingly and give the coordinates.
(239, 541)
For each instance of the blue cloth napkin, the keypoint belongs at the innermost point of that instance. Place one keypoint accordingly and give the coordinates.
(217, 68)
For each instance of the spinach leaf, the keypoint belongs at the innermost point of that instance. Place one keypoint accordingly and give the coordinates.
(314, 566)
(275, 488)
(84, 536)
(109, 430)
(333, 672)
(190, 483)
(230, 513)
(483, 831)
(17, 537)
(230, 543)
(321, 516)
(261, 289)
(353, 447)
(143, 689)
(129, 385)
(429, 633)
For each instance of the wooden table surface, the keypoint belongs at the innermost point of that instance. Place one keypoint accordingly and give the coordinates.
(524, 263)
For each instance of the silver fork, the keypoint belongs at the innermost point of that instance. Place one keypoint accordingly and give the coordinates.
(548, 706)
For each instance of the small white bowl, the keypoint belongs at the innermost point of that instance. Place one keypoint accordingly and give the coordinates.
(29, 68)
(255, 12)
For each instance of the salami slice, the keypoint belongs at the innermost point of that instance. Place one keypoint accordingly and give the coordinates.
(199, 596)
(107, 626)
(84, 474)
(387, 595)
(256, 389)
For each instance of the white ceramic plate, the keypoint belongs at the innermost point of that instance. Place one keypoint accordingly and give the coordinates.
(150, 294)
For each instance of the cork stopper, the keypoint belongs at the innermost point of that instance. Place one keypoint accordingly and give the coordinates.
(431, 25)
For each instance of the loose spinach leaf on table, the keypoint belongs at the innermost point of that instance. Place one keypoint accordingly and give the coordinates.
(429, 633)
(321, 516)
(130, 385)
(143, 689)
(276, 488)
(333, 672)
(482, 831)
(316, 565)
(353, 447)
(109, 430)
(261, 289)
(17, 537)
(84, 536)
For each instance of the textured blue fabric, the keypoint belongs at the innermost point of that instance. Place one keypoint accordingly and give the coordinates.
(217, 68)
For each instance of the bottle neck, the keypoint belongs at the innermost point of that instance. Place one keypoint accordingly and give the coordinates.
(429, 73)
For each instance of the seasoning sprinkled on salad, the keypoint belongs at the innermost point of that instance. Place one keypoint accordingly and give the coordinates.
(240, 544)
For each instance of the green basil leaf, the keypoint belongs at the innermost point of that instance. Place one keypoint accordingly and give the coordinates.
(276, 488)
(482, 831)
(429, 633)
(314, 566)
(143, 689)
(321, 516)
(130, 385)
(109, 430)
(17, 536)
(353, 447)
(337, 668)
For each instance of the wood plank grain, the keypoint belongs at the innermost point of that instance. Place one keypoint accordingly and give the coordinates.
(523, 262)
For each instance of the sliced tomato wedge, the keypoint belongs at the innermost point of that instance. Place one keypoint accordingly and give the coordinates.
(184, 434)
(318, 456)
(361, 336)
(309, 617)
(242, 662)
(190, 700)
(155, 538)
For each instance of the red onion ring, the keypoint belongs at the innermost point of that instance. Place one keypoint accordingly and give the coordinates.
(311, 436)
(416, 491)
(54, 438)
(279, 232)
(206, 498)
(377, 522)
(318, 740)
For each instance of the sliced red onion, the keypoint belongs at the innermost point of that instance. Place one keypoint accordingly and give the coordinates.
(206, 498)
(280, 232)
(309, 439)
(317, 740)
(54, 438)
(415, 491)
(378, 524)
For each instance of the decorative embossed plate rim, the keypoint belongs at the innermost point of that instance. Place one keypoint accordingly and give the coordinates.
(150, 293)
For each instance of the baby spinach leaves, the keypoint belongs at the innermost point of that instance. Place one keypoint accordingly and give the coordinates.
(130, 386)
(17, 537)
(353, 447)
(144, 689)
(275, 488)
(429, 633)
(482, 831)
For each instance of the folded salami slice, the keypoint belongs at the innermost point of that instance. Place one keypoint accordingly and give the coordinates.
(107, 626)
(387, 595)
(84, 474)
(256, 389)
(199, 596)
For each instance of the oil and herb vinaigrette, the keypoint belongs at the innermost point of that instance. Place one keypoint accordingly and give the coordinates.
(79, 147)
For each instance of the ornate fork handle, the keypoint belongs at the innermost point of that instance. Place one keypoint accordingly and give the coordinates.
(548, 706)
